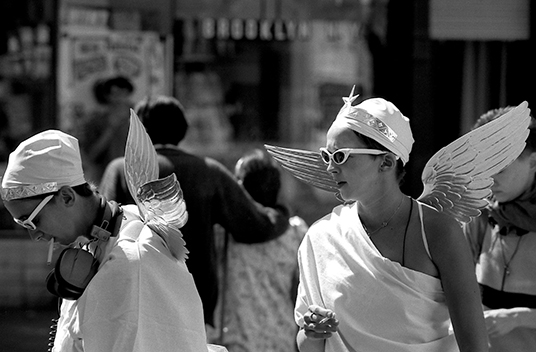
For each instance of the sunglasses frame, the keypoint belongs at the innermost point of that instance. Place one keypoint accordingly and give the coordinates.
(28, 222)
(347, 152)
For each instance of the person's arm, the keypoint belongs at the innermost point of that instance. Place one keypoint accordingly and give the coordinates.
(526, 317)
(113, 121)
(451, 254)
(308, 344)
(113, 185)
(474, 233)
(109, 184)
(316, 323)
(502, 321)
(246, 220)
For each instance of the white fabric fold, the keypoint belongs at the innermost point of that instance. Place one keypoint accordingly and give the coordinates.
(381, 305)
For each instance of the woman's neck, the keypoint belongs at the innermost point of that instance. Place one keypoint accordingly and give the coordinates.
(375, 212)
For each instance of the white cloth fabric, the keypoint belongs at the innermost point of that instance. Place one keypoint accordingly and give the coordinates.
(140, 300)
(381, 305)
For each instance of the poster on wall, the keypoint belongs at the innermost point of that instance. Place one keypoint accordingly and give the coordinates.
(89, 57)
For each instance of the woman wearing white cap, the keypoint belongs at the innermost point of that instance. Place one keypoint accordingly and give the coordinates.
(383, 272)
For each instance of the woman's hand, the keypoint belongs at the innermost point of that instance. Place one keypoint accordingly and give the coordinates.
(500, 321)
(320, 323)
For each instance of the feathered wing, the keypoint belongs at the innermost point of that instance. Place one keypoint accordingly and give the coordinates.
(457, 179)
(159, 201)
(166, 212)
(307, 166)
(141, 165)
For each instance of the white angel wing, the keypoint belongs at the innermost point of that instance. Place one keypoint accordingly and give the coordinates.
(457, 179)
(160, 201)
(141, 162)
(307, 166)
(166, 212)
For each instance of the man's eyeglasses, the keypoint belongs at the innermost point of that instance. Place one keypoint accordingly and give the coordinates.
(28, 223)
(340, 156)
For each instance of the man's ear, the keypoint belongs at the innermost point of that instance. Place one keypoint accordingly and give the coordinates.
(67, 195)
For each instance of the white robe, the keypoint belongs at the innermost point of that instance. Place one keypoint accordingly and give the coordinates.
(141, 299)
(381, 305)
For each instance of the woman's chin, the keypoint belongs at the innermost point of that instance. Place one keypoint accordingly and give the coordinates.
(346, 197)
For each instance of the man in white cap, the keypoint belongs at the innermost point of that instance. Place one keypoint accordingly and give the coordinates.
(122, 290)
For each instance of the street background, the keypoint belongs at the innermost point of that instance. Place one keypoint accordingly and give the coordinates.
(248, 73)
(25, 330)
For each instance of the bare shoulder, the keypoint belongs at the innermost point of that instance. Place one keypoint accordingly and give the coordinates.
(440, 225)
(445, 238)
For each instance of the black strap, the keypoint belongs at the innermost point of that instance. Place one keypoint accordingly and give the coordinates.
(406, 232)
(496, 299)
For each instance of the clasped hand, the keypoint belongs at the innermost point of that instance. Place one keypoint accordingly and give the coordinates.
(320, 323)
(500, 321)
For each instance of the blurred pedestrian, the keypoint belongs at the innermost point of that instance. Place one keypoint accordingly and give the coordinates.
(503, 240)
(5, 129)
(212, 195)
(260, 279)
(104, 133)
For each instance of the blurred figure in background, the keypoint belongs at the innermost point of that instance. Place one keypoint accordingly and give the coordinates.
(211, 193)
(104, 134)
(260, 280)
(503, 240)
(6, 143)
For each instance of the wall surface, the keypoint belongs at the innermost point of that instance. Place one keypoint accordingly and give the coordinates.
(24, 271)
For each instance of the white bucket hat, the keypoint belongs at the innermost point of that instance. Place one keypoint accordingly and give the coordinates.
(42, 164)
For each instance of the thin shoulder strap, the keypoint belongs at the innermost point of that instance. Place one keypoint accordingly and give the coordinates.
(406, 233)
(423, 234)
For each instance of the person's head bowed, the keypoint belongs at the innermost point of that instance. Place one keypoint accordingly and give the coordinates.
(516, 182)
(260, 176)
(42, 164)
(43, 169)
(493, 114)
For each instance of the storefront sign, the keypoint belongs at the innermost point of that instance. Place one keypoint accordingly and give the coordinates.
(252, 29)
(84, 16)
